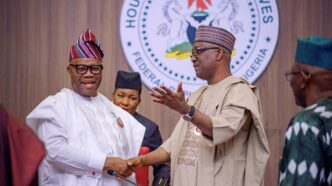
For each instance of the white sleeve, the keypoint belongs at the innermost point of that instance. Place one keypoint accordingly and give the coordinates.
(48, 121)
(65, 156)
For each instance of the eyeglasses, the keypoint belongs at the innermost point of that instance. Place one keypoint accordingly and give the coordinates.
(82, 69)
(290, 74)
(197, 51)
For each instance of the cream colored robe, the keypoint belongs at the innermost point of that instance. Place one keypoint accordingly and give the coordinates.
(238, 153)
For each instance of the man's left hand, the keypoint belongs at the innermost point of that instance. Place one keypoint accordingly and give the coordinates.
(174, 100)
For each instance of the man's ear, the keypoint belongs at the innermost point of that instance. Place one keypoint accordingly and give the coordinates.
(306, 77)
(220, 55)
(68, 69)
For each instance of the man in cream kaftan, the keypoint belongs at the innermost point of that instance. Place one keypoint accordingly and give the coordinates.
(220, 138)
(238, 153)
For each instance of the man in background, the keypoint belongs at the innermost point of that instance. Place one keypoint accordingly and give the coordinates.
(85, 134)
(220, 139)
(127, 95)
(307, 152)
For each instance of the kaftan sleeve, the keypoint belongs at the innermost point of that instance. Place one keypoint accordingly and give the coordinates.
(68, 157)
(226, 127)
(232, 116)
(48, 120)
(167, 145)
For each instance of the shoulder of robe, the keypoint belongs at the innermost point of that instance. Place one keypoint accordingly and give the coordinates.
(52, 105)
(242, 94)
(60, 99)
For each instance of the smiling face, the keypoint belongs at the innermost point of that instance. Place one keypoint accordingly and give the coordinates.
(204, 62)
(211, 62)
(85, 84)
(127, 99)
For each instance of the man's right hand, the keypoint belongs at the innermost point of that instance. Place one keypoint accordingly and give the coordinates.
(118, 165)
(155, 157)
(135, 162)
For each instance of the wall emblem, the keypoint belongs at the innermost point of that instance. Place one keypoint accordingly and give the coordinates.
(157, 37)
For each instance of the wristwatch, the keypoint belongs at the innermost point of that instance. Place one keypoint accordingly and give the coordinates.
(189, 116)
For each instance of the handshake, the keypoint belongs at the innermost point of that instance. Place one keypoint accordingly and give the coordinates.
(123, 168)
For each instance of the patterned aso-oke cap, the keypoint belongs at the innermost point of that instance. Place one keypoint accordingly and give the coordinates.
(215, 35)
(86, 46)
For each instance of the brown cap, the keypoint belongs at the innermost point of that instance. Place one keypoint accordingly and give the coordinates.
(215, 35)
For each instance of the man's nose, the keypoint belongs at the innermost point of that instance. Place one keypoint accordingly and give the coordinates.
(193, 58)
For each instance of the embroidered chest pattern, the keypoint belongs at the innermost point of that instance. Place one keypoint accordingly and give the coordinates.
(190, 148)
